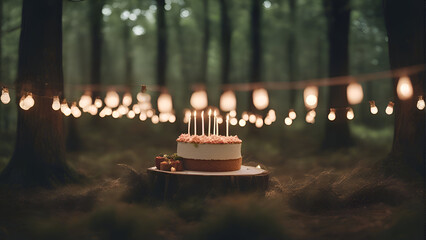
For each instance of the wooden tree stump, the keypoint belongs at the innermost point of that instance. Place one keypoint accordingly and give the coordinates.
(187, 184)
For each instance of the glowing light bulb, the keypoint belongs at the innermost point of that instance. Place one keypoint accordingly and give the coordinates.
(354, 93)
(164, 103)
(310, 117)
(389, 108)
(155, 119)
(233, 121)
(164, 117)
(233, 113)
(107, 111)
(260, 98)
(219, 120)
(267, 121)
(92, 109)
(242, 122)
(259, 122)
(5, 97)
(373, 107)
(252, 118)
(112, 99)
(272, 115)
(332, 114)
(56, 104)
(150, 113)
(199, 100)
(292, 114)
(172, 118)
(310, 94)
(245, 116)
(288, 121)
(85, 100)
(350, 114)
(26, 102)
(122, 110)
(312, 113)
(143, 116)
(75, 111)
(115, 114)
(98, 102)
(404, 88)
(421, 103)
(127, 99)
(136, 109)
(143, 97)
(228, 101)
(131, 114)
(64, 108)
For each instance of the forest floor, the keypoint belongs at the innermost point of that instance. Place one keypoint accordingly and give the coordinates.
(313, 194)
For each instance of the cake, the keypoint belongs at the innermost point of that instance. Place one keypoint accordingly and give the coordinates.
(209, 153)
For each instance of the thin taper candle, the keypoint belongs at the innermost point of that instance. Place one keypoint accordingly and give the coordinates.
(227, 125)
(217, 126)
(210, 114)
(202, 122)
(195, 122)
(189, 124)
(214, 122)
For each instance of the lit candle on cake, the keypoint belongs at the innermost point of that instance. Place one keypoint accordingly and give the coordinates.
(189, 124)
(195, 122)
(217, 126)
(214, 122)
(227, 125)
(202, 122)
(210, 114)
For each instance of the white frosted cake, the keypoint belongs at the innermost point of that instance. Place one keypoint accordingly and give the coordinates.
(210, 153)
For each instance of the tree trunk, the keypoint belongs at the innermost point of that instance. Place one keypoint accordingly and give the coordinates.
(161, 44)
(206, 42)
(405, 27)
(337, 133)
(256, 46)
(96, 18)
(39, 156)
(291, 52)
(225, 41)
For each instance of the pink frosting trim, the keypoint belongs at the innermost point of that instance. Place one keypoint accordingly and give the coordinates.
(213, 139)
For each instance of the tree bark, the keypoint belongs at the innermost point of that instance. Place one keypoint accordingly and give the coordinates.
(405, 26)
(256, 46)
(291, 52)
(161, 44)
(96, 18)
(225, 41)
(206, 42)
(39, 156)
(337, 133)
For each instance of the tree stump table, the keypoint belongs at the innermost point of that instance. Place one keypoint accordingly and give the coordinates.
(186, 184)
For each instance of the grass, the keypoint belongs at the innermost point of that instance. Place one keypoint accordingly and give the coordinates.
(312, 194)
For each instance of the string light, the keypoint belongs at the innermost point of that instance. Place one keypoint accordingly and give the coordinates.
(260, 98)
(242, 122)
(164, 117)
(373, 107)
(92, 109)
(354, 93)
(310, 117)
(98, 102)
(75, 111)
(143, 116)
(272, 115)
(5, 97)
(64, 108)
(252, 118)
(288, 121)
(27, 101)
(112, 100)
(127, 99)
(155, 119)
(143, 97)
(228, 101)
(164, 103)
(136, 109)
(172, 118)
(332, 114)
(115, 114)
(404, 88)
(310, 95)
(233, 121)
(219, 120)
(259, 122)
(267, 121)
(233, 113)
(199, 100)
(122, 110)
(85, 100)
(56, 104)
(131, 114)
(389, 108)
(245, 116)
(105, 112)
(421, 103)
(292, 114)
(150, 113)
(350, 113)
